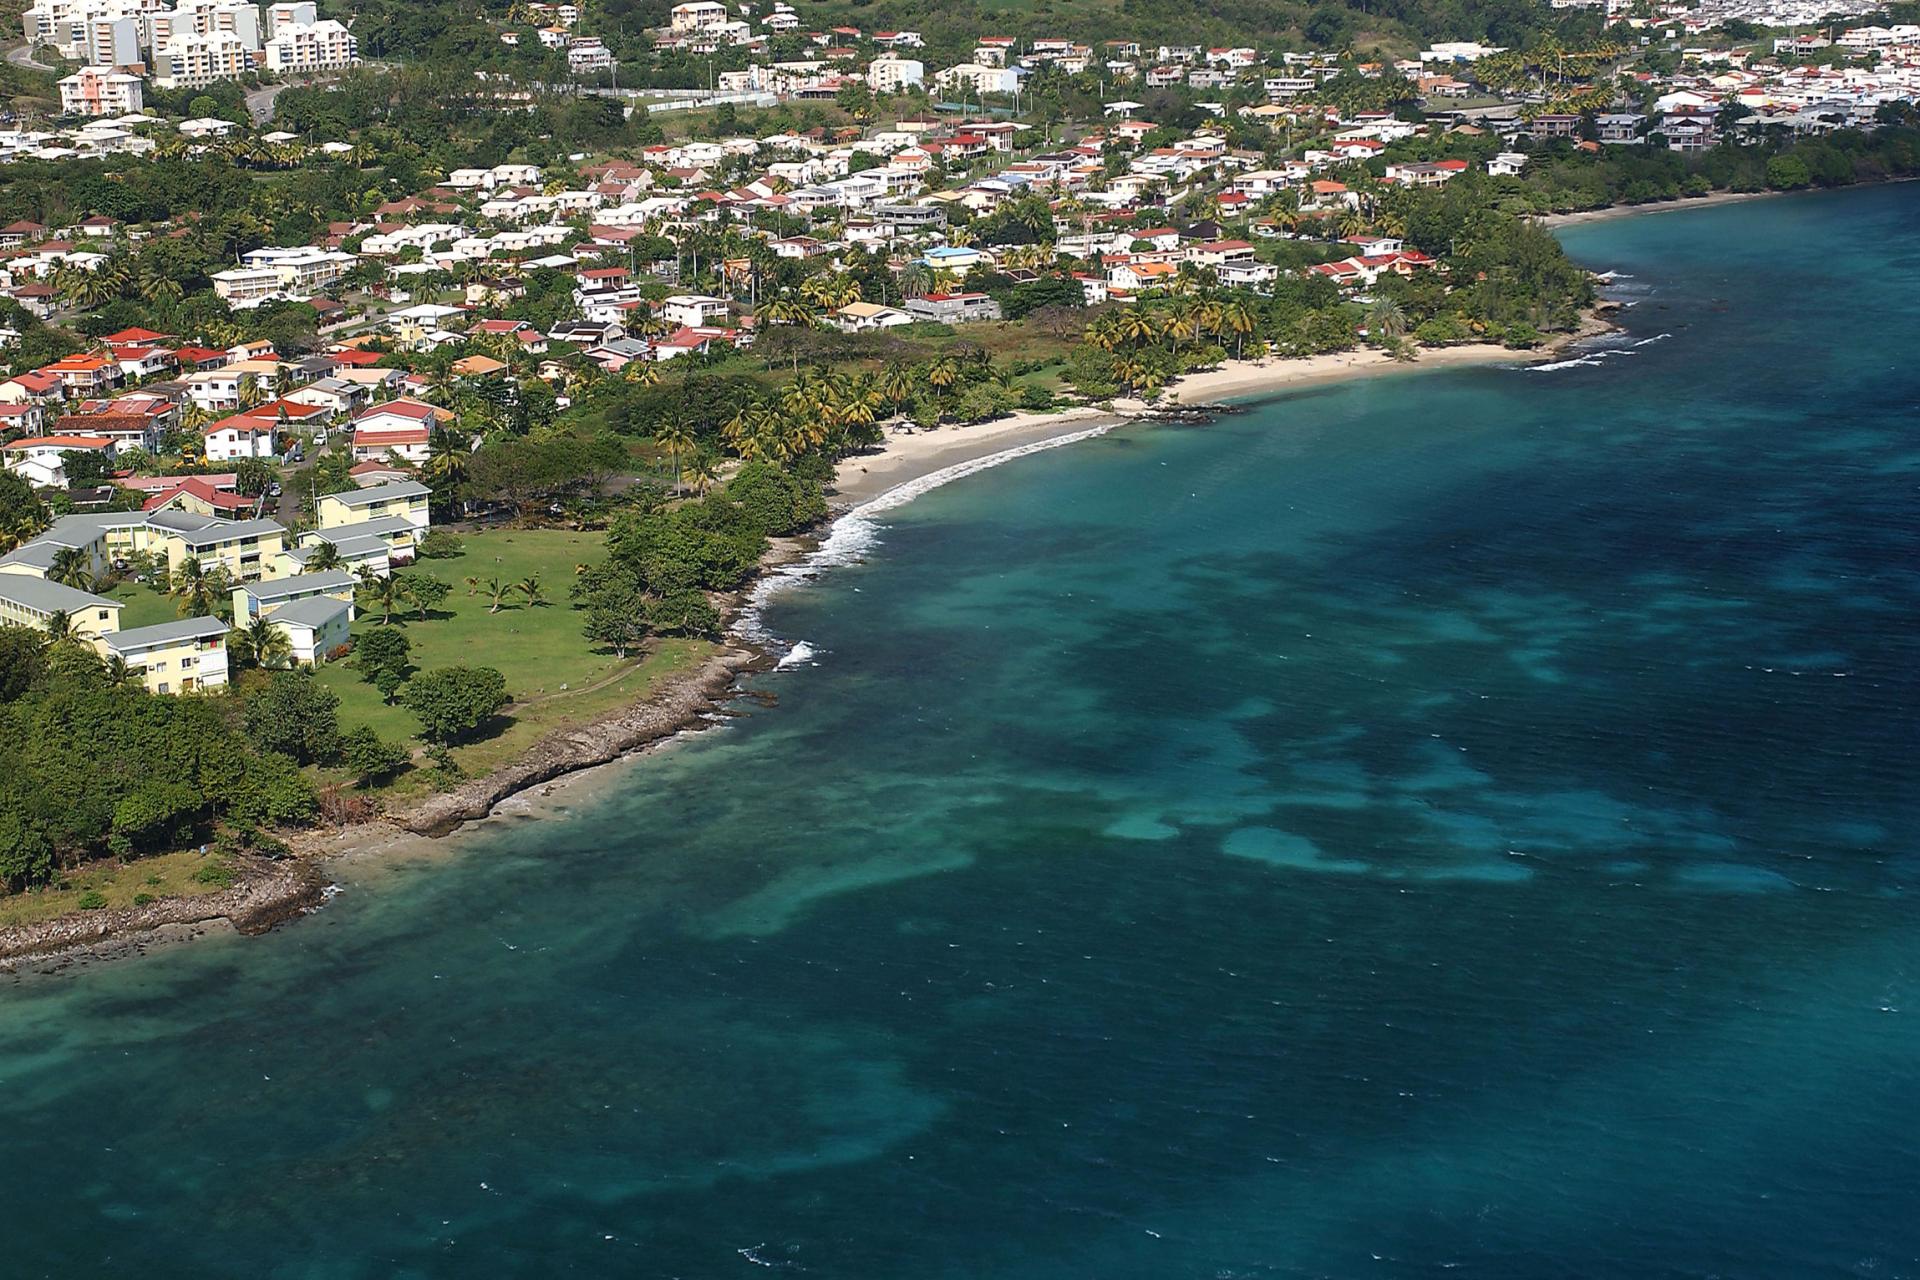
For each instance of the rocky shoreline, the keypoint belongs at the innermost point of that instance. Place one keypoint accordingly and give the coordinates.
(688, 703)
(265, 893)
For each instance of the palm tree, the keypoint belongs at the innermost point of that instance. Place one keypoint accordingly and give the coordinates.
(382, 592)
(915, 279)
(1135, 324)
(116, 672)
(447, 458)
(704, 473)
(323, 557)
(1239, 319)
(155, 284)
(261, 643)
(532, 590)
(198, 589)
(1386, 319)
(676, 438)
(72, 567)
(943, 373)
(63, 629)
(497, 589)
(896, 382)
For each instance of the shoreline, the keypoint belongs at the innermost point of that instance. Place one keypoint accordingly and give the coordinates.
(1710, 200)
(572, 756)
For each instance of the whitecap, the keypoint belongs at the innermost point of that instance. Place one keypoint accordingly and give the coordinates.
(854, 536)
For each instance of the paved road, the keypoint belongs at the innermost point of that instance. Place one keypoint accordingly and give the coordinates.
(260, 102)
(22, 56)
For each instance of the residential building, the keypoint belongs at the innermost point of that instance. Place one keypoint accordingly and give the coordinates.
(259, 599)
(183, 656)
(41, 460)
(192, 61)
(403, 499)
(102, 91)
(953, 308)
(588, 55)
(27, 600)
(312, 46)
(403, 428)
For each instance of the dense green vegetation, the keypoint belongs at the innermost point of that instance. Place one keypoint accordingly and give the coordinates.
(91, 765)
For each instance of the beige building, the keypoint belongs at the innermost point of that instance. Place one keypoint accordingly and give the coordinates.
(185, 656)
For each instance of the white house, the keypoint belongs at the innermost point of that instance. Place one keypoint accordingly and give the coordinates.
(41, 460)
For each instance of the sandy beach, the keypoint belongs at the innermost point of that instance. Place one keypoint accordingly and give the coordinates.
(909, 455)
(1665, 206)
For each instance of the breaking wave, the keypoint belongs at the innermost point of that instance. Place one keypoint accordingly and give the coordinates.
(854, 536)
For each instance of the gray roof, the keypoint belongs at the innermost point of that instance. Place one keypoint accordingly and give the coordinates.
(381, 493)
(178, 521)
(379, 527)
(316, 612)
(37, 554)
(43, 596)
(299, 584)
(165, 633)
(354, 548)
(229, 530)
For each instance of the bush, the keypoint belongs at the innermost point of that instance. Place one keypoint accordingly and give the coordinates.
(1035, 398)
(218, 874)
(92, 900)
(142, 899)
(438, 544)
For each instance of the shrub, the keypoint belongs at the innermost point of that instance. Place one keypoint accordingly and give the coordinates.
(438, 544)
(92, 900)
(142, 899)
(217, 874)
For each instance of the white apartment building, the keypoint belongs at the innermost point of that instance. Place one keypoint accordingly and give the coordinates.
(111, 42)
(66, 24)
(191, 61)
(976, 78)
(267, 274)
(290, 13)
(889, 74)
(312, 46)
(588, 54)
(102, 91)
(698, 15)
(207, 18)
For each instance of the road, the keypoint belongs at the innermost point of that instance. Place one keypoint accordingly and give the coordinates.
(260, 102)
(22, 56)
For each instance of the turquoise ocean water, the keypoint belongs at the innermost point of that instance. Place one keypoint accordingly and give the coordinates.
(1460, 824)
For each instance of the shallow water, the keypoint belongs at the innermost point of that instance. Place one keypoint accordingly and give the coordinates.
(1461, 823)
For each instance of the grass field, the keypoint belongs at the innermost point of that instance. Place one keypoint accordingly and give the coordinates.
(553, 674)
(145, 606)
(168, 875)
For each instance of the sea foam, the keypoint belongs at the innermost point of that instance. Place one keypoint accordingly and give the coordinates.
(854, 536)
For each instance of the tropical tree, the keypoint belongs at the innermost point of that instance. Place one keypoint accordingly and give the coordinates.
(261, 644)
(72, 567)
(385, 592)
(676, 437)
(200, 589)
(1386, 319)
(530, 588)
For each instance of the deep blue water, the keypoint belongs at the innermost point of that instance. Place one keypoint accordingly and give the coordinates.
(1462, 824)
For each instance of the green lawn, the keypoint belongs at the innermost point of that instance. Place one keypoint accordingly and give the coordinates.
(552, 673)
(145, 606)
